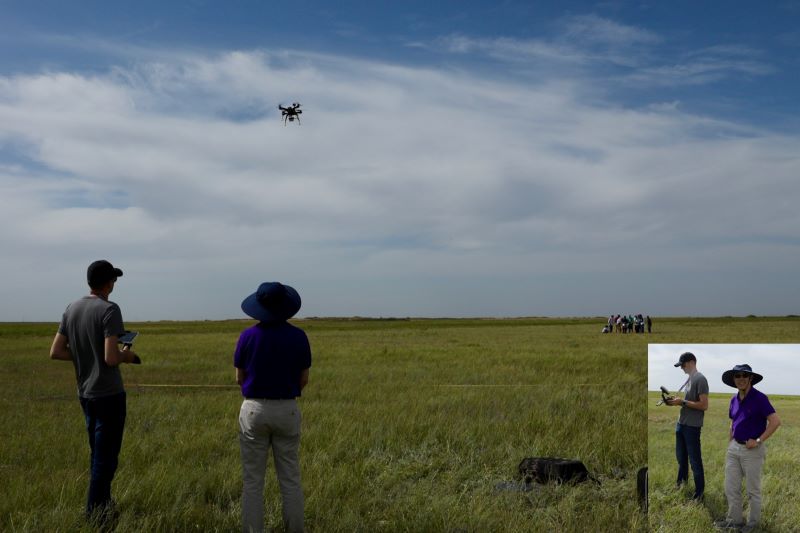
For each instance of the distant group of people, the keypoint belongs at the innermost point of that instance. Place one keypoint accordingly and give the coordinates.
(628, 324)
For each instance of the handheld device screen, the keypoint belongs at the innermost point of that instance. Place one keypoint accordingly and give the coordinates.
(127, 337)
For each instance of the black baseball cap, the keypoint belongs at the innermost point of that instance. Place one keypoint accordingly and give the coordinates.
(101, 272)
(685, 357)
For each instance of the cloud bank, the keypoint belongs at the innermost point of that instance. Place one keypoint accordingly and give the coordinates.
(407, 191)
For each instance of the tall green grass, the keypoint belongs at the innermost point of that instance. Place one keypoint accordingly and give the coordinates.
(408, 425)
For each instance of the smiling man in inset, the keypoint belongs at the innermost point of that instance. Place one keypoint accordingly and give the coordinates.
(753, 421)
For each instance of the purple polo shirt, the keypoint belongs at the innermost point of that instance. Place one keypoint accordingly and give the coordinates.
(750, 415)
(273, 355)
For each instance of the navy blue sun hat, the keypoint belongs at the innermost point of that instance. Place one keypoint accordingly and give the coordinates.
(272, 302)
(727, 376)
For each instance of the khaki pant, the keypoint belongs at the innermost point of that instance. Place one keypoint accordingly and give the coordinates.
(265, 424)
(741, 462)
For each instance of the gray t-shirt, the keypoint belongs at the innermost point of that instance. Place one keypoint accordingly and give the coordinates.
(86, 324)
(698, 384)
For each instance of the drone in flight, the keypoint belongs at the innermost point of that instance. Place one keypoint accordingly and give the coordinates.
(290, 113)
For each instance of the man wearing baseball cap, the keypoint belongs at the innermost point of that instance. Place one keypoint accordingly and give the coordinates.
(753, 421)
(690, 422)
(87, 336)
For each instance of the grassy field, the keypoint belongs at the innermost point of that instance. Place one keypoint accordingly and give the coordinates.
(670, 510)
(408, 425)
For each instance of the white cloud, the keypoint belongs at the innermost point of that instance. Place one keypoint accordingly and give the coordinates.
(584, 40)
(512, 50)
(395, 172)
(700, 67)
(595, 30)
(589, 46)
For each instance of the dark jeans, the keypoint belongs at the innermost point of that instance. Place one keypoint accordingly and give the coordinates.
(687, 450)
(105, 421)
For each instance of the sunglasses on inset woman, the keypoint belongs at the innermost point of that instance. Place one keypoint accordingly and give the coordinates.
(737, 376)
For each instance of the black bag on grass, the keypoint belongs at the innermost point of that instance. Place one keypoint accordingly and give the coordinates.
(547, 469)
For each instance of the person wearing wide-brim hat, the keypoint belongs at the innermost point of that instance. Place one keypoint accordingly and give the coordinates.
(272, 361)
(753, 421)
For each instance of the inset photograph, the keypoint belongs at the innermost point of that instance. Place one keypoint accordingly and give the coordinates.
(723, 438)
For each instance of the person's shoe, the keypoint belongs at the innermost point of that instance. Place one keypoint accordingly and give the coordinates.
(727, 524)
(104, 517)
(748, 528)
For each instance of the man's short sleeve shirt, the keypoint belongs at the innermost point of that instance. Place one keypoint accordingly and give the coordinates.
(749, 416)
(698, 384)
(86, 323)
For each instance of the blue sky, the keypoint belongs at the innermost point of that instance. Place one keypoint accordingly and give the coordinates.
(455, 158)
